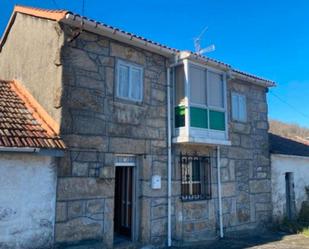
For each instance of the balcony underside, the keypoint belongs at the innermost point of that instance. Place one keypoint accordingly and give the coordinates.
(201, 141)
(200, 136)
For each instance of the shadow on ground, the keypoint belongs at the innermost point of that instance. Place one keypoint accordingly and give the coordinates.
(269, 240)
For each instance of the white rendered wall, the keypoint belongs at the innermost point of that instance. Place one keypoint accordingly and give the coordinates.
(27, 200)
(280, 164)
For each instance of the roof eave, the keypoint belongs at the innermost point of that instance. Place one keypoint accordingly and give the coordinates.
(204, 60)
(252, 79)
(280, 154)
(97, 28)
(40, 151)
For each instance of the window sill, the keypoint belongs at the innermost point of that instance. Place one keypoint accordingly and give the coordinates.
(128, 101)
(239, 121)
(195, 200)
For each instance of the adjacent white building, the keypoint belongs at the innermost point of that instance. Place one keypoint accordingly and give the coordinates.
(290, 175)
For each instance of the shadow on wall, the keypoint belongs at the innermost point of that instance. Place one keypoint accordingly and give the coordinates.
(304, 211)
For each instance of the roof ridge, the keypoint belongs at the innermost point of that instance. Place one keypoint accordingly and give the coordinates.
(37, 8)
(56, 14)
(65, 16)
(38, 112)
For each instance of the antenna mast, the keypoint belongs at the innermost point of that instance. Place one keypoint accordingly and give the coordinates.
(197, 44)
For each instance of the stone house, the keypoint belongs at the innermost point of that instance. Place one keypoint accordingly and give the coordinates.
(163, 146)
(289, 176)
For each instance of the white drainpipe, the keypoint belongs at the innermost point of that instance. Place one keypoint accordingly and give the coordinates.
(219, 192)
(169, 162)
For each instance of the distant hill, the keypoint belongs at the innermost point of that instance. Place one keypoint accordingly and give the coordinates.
(288, 130)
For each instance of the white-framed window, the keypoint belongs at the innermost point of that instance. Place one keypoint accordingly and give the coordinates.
(129, 81)
(239, 107)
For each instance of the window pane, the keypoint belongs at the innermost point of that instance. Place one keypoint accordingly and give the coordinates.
(196, 170)
(197, 85)
(235, 108)
(239, 109)
(242, 108)
(217, 120)
(136, 84)
(198, 117)
(179, 84)
(215, 86)
(180, 116)
(123, 81)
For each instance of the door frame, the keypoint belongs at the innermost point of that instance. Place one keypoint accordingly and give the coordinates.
(128, 160)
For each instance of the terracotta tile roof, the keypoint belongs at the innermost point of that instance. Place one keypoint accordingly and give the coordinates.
(23, 122)
(288, 146)
(55, 15)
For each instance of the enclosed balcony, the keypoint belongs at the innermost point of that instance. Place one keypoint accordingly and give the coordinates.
(200, 106)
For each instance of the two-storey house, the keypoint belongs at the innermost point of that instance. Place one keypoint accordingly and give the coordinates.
(163, 146)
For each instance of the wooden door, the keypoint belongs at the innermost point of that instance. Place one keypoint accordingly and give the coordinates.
(123, 201)
(290, 196)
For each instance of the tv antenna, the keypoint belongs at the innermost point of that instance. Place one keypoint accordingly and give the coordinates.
(197, 44)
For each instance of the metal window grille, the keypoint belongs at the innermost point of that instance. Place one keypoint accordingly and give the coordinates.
(195, 177)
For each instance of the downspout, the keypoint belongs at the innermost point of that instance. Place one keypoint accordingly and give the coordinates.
(169, 162)
(219, 191)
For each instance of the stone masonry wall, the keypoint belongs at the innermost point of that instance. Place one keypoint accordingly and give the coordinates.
(194, 220)
(96, 125)
(245, 175)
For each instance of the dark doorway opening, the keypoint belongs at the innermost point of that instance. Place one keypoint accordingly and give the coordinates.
(290, 196)
(123, 203)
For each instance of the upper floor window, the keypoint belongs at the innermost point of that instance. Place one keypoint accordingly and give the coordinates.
(239, 107)
(207, 87)
(200, 113)
(129, 81)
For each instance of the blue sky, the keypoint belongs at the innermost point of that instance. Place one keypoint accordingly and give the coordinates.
(267, 38)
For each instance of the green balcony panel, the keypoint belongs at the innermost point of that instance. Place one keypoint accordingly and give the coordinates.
(180, 114)
(217, 120)
(198, 117)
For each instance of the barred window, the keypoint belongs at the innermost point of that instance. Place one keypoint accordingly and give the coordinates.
(195, 178)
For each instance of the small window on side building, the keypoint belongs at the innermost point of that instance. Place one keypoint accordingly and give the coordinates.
(129, 81)
(239, 107)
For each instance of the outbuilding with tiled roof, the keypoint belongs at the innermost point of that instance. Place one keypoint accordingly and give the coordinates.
(29, 147)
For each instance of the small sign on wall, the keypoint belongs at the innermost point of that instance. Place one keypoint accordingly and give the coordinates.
(156, 182)
(125, 160)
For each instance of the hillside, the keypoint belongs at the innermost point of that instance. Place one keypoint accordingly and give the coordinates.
(288, 130)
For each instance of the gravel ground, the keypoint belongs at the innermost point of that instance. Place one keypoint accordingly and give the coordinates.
(266, 241)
